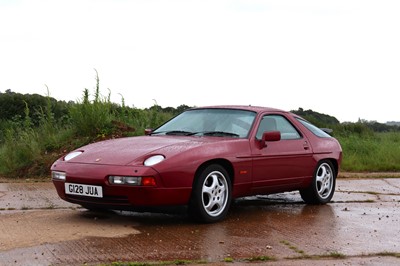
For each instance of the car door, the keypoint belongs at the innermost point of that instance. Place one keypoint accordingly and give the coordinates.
(280, 165)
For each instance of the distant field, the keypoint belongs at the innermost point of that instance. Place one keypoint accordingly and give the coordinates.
(371, 153)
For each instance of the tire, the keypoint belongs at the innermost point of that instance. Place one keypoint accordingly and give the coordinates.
(323, 184)
(211, 195)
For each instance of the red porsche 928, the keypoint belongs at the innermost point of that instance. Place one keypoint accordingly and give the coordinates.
(203, 158)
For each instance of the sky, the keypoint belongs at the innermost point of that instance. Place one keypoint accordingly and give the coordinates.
(337, 57)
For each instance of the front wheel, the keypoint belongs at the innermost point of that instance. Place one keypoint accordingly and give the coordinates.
(323, 185)
(211, 194)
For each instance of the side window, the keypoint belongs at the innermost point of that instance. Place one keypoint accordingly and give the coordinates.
(277, 123)
(315, 130)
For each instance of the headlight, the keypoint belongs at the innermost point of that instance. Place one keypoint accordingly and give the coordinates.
(155, 159)
(58, 175)
(72, 155)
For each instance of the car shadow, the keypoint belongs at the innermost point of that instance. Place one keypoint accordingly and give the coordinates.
(255, 208)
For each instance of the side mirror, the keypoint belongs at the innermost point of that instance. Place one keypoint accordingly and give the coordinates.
(148, 131)
(270, 136)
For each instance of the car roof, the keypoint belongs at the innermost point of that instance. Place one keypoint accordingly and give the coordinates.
(257, 109)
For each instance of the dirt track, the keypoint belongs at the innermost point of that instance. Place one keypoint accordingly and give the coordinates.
(358, 227)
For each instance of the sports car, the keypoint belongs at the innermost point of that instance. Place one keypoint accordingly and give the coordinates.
(202, 159)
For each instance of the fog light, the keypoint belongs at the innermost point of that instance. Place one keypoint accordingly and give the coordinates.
(131, 180)
(117, 179)
(58, 175)
(125, 180)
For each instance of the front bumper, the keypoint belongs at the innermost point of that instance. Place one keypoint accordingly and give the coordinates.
(118, 196)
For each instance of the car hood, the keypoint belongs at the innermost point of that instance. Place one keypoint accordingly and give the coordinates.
(125, 151)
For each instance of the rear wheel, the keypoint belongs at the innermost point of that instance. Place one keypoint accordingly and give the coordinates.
(322, 187)
(211, 194)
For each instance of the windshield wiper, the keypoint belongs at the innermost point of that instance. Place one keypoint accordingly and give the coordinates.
(218, 133)
(204, 133)
(179, 132)
(173, 132)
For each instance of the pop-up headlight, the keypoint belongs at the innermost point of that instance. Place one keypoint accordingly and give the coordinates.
(155, 159)
(72, 155)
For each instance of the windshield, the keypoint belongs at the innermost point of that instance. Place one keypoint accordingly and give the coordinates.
(209, 122)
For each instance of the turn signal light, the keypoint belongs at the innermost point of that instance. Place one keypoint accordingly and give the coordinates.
(148, 181)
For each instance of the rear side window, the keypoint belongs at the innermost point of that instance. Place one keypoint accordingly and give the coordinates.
(277, 123)
(315, 130)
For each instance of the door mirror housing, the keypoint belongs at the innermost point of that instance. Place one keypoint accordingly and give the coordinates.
(148, 131)
(270, 136)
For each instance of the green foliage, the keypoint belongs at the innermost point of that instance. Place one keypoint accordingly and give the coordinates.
(36, 130)
(371, 152)
(353, 129)
(18, 150)
(91, 118)
(336, 255)
(24, 148)
(28, 146)
(13, 106)
(318, 119)
(99, 118)
(261, 258)
(228, 259)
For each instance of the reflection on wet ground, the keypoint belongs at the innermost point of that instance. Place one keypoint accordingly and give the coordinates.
(362, 220)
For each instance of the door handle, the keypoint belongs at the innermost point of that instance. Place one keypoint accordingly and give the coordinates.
(305, 145)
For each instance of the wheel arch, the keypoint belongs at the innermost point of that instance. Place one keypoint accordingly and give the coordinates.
(335, 165)
(223, 162)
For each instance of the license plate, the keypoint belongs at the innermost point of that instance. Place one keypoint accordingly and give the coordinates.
(84, 190)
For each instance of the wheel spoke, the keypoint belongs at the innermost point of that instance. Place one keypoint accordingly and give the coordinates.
(214, 178)
(210, 206)
(323, 189)
(321, 176)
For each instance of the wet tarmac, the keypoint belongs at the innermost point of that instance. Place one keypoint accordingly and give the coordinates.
(360, 227)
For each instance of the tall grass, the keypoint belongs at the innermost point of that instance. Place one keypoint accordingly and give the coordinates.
(100, 118)
(27, 149)
(18, 150)
(372, 152)
(91, 118)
